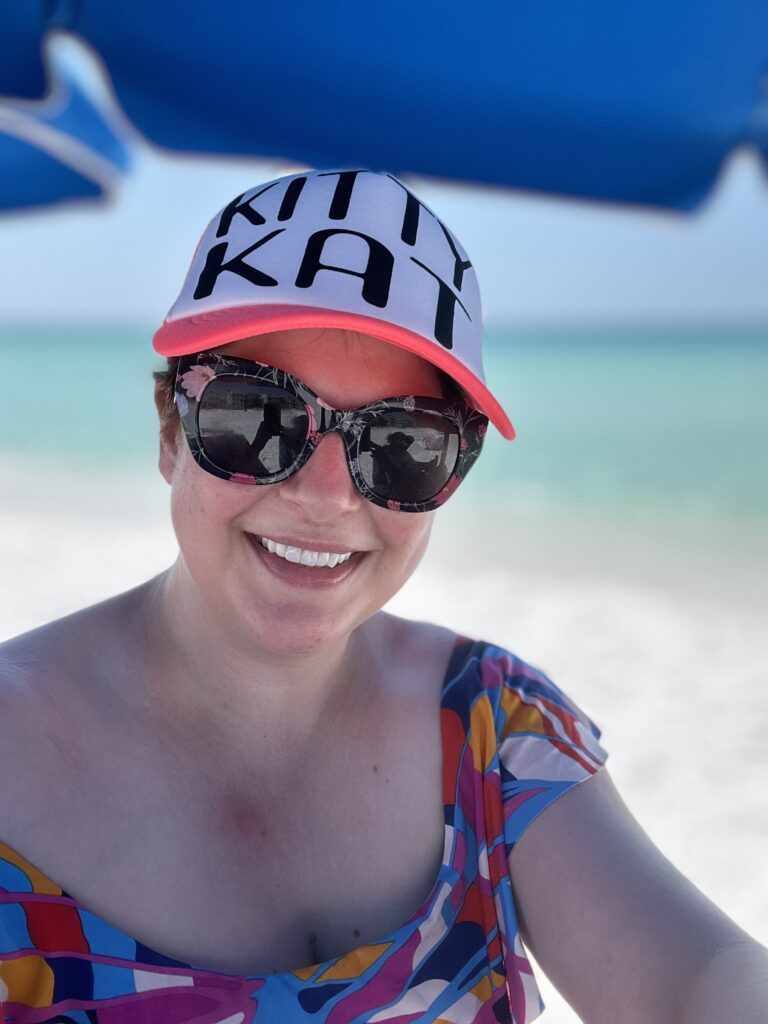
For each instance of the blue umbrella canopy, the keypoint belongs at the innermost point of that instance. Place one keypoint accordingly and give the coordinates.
(62, 147)
(622, 102)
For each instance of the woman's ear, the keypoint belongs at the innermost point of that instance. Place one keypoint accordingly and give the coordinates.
(170, 433)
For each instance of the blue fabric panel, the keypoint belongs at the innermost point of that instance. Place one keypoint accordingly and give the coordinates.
(12, 878)
(110, 981)
(14, 933)
(105, 940)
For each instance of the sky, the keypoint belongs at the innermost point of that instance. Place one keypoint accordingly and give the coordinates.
(539, 260)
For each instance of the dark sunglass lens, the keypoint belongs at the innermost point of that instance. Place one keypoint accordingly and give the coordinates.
(408, 456)
(246, 427)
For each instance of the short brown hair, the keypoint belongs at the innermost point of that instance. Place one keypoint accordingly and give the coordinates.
(165, 382)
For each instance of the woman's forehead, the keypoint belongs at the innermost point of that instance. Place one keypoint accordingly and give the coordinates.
(342, 365)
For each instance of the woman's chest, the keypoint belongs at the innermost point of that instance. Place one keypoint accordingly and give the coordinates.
(254, 887)
(255, 875)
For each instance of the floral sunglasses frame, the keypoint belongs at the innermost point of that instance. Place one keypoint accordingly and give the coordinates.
(197, 370)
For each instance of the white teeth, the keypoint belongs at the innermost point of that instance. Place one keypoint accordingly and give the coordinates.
(304, 557)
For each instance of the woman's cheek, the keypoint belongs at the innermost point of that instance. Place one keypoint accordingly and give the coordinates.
(408, 532)
(201, 503)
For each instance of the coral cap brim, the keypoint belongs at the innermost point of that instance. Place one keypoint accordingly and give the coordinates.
(219, 327)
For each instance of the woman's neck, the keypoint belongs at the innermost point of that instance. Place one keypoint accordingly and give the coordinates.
(205, 678)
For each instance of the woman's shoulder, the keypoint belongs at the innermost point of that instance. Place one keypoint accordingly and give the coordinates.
(45, 672)
(33, 664)
(472, 668)
(64, 645)
(33, 684)
(48, 714)
(462, 654)
(50, 652)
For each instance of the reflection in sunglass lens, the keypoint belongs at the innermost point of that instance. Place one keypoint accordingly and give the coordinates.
(408, 456)
(249, 428)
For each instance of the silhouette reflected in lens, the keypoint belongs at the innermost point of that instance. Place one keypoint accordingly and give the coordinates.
(250, 429)
(408, 456)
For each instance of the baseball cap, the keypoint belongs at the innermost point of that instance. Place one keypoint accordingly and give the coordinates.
(351, 249)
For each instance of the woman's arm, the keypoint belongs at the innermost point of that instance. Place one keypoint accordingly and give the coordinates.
(622, 934)
(732, 987)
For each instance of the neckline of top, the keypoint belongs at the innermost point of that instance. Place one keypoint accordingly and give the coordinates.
(150, 958)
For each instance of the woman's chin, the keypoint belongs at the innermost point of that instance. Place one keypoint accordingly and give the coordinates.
(287, 629)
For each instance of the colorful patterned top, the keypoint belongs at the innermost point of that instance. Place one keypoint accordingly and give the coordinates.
(512, 744)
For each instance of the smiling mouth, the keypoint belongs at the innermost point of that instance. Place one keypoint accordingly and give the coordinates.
(305, 556)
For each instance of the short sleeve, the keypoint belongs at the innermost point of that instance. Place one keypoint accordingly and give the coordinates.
(546, 743)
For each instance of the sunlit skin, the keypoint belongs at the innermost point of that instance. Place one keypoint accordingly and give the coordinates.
(219, 588)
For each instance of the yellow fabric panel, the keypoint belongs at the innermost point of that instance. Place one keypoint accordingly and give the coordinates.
(37, 879)
(520, 717)
(353, 964)
(29, 980)
(482, 733)
(482, 990)
(305, 972)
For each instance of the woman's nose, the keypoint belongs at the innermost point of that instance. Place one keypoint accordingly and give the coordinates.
(323, 486)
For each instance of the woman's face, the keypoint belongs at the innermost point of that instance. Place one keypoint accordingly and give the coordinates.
(278, 605)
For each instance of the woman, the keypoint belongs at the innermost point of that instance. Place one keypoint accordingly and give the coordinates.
(256, 796)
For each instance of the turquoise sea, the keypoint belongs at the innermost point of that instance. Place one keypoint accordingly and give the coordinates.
(646, 426)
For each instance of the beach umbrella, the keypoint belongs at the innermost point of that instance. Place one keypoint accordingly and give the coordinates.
(62, 147)
(637, 103)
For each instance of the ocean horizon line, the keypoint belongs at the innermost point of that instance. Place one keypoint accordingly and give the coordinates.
(601, 326)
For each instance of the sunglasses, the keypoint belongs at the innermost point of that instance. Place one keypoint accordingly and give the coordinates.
(255, 424)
